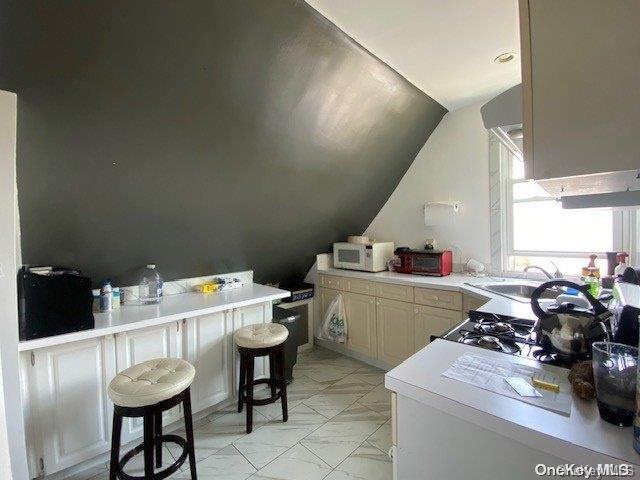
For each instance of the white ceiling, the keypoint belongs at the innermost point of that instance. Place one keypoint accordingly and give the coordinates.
(444, 47)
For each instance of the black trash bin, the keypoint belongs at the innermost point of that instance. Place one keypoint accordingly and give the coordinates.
(289, 319)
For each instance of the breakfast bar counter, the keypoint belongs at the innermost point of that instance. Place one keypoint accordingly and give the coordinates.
(64, 378)
(135, 315)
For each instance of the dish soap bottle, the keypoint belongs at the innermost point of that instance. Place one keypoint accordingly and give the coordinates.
(150, 286)
(593, 282)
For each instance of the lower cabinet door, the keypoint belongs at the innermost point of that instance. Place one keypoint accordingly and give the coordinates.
(208, 346)
(361, 323)
(432, 321)
(137, 346)
(324, 298)
(73, 414)
(242, 317)
(395, 330)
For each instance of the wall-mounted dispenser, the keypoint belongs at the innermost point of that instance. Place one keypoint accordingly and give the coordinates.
(436, 213)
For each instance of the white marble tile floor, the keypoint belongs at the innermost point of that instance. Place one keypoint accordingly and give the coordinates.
(339, 428)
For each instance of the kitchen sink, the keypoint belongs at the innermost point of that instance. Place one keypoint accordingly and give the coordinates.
(519, 291)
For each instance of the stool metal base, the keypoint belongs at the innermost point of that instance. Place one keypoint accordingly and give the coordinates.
(277, 383)
(153, 440)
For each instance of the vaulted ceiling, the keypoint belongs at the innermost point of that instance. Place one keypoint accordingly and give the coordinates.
(444, 47)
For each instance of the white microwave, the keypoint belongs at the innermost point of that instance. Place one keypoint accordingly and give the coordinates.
(368, 257)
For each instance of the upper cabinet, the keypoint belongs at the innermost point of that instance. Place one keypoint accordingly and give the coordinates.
(580, 78)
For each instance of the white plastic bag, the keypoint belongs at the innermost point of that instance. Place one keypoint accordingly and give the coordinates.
(334, 324)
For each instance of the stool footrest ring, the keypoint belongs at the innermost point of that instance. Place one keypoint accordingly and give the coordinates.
(170, 470)
(262, 401)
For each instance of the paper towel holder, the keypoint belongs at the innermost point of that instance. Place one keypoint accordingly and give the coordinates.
(428, 207)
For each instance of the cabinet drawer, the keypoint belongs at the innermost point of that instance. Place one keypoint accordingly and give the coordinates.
(337, 283)
(438, 298)
(394, 292)
(356, 285)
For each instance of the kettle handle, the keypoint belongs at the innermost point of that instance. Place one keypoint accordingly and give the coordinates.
(598, 307)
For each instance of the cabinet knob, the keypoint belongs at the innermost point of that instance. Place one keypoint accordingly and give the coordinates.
(435, 297)
(415, 311)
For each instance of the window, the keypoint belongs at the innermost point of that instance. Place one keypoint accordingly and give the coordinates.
(536, 230)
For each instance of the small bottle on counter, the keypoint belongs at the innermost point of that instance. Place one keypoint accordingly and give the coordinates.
(622, 264)
(593, 282)
(116, 292)
(106, 297)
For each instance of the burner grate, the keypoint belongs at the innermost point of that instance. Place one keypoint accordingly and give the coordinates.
(490, 342)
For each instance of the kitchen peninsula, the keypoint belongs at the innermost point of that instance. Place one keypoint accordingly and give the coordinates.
(64, 378)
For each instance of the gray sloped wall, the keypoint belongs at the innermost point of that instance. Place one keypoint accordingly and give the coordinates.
(204, 136)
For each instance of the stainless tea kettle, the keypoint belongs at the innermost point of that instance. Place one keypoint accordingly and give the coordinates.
(567, 327)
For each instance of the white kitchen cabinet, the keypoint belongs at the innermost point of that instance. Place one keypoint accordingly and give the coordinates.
(395, 330)
(208, 347)
(137, 346)
(361, 323)
(254, 314)
(71, 412)
(580, 80)
(432, 321)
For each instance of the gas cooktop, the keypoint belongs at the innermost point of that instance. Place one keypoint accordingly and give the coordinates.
(502, 333)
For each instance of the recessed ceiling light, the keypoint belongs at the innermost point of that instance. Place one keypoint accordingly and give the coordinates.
(505, 57)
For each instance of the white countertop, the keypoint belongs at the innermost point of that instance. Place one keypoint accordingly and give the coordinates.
(456, 282)
(581, 438)
(171, 308)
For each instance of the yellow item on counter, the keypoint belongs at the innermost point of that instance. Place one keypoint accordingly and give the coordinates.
(208, 287)
(554, 387)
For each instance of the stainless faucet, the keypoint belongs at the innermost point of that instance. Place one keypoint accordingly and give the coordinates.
(556, 274)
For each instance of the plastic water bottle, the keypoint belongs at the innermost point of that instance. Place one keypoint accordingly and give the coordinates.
(150, 286)
(106, 297)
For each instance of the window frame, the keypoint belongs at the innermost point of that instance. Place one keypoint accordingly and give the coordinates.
(625, 221)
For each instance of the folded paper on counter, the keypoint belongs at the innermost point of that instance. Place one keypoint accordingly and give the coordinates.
(491, 374)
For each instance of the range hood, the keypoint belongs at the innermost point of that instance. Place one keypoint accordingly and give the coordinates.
(503, 116)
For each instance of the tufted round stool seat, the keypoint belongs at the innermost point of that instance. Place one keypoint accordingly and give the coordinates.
(263, 335)
(147, 390)
(151, 382)
(261, 340)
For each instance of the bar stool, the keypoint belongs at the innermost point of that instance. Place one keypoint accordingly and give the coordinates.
(258, 341)
(146, 390)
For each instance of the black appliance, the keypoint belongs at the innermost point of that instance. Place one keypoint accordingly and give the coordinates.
(510, 335)
(53, 301)
(625, 306)
(299, 291)
(289, 319)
